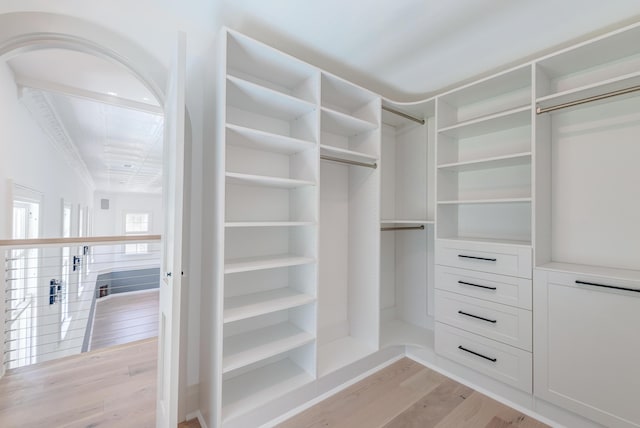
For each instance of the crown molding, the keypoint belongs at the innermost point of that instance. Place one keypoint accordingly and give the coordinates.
(39, 105)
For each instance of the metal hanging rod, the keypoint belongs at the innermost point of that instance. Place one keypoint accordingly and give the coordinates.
(402, 114)
(385, 229)
(541, 110)
(349, 162)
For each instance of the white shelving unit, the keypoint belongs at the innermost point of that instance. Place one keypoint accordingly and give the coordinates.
(406, 259)
(484, 159)
(271, 175)
(349, 220)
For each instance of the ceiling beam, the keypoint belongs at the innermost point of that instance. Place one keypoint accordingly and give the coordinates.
(43, 85)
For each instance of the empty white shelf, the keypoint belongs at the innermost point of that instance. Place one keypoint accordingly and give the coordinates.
(261, 180)
(339, 123)
(486, 201)
(255, 139)
(599, 88)
(251, 305)
(248, 264)
(488, 163)
(400, 222)
(514, 242)
(256, 345)
(340, 353)
(345, 154)
(234, 224)
(250, 390)
(400, 333)
(604, 272)
(249, 96)
(488, 124)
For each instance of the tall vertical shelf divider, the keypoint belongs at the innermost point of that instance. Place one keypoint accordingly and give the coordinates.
(271, 176)
(406, 233)
(349, 223)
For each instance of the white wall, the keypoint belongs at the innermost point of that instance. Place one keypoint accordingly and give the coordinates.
(28, 158)
(110, 222)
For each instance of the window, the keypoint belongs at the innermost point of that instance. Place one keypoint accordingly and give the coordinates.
(137, 224)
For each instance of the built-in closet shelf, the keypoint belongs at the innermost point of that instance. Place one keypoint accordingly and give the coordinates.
(340, 353)
(252, 305)
(247, 348)
(262, 180)
(249, 96)
(590, 270)
(235, 224)
(345, 154)
(488, 163)
(401, 333)
(513, 118)
(485, 201)
(259, 263)
(336, 122)
(512, 242)
(401, 222)
(599, 88)
(256, 387)
(255, 139)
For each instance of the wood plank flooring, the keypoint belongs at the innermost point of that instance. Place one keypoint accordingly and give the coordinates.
(124, 318)
(112, 387)
(408, 395)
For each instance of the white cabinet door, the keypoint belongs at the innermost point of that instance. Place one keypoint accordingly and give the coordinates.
(587, 345)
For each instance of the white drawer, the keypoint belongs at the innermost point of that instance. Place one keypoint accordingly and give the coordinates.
(505, 363)
(506, 324)
(485, 257)
(503, 289)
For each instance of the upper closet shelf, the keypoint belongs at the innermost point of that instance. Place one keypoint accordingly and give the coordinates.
(513, 118)
(262, 180)
(486, 201)
(249, 96)
(588, 91)
(488, 163)
(339, 123)
(402, 222)
(248, 264)
(590, 270)
(255, 139)
(256, 345)
(234, 224)
(349, 155)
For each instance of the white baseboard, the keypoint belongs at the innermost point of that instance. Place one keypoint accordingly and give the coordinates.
(197, 415)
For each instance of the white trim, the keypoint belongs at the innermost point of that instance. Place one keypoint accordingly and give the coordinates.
(197, 415)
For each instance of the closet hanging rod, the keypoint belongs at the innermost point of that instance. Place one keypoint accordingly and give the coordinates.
(402, 114)
(385, 229)
(349, 162)
(541, 110)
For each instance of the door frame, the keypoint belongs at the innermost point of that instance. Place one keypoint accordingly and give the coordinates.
(22, 32)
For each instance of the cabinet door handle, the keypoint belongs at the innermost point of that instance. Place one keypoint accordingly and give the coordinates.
(477, 354)
(476, 285)
(466, 314)
(614, 287)
(486, 259)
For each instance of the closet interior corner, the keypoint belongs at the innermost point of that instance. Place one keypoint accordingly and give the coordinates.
(407, 225)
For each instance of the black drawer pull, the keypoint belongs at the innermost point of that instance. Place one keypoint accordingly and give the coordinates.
(477, 354)
(476, 285)
(477, 317)
(635, 290)
(462, 256)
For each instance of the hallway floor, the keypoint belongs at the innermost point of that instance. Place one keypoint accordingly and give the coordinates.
(111, 387)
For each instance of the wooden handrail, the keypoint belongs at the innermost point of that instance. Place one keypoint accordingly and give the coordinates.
(61, 242)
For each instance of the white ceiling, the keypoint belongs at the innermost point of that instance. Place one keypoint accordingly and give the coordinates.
(406, 50)
(120, 147)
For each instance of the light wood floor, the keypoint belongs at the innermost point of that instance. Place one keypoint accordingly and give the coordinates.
(113, 387)
(124, 318)
(409, 395)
